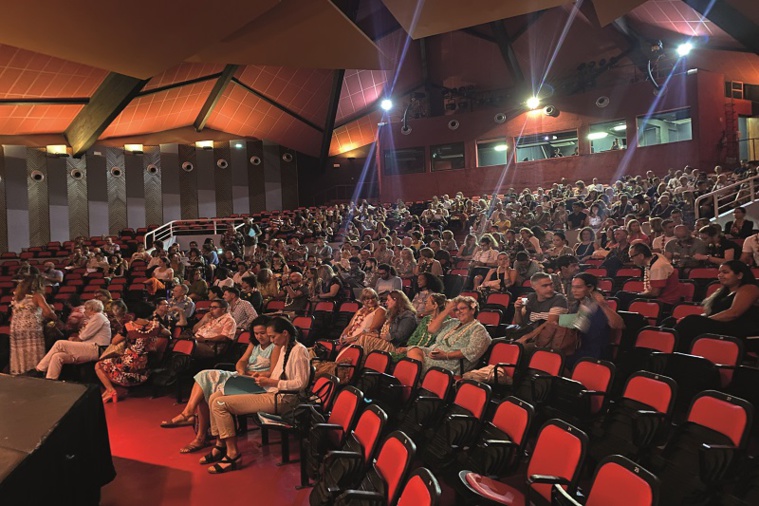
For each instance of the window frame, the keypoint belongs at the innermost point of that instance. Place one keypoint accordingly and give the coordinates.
(639, 131)
(504, 140)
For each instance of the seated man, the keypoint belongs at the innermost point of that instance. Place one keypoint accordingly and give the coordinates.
(215, 330)
(539, 312)
(180, 301)
(682, 250)
(387, 281)
(241, 310)
(50, 275)
(295, 293)
(660, 279)
(567, 266)
(86, 347)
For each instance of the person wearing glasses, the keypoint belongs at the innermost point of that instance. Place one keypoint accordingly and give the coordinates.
(214, 330)
(459, 338)
(660, 278)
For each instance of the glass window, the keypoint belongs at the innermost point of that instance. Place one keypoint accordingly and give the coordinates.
(608, 136)
(543, 146)
(665, 127)
(447, 156)
(495, 152)
(404, 161)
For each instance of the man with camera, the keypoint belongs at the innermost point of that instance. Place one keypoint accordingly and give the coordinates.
(295, 292)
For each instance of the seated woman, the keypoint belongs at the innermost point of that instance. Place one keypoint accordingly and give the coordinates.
(290, 373)
(497, 280)
(255, 362)
(329, 286)
(426, 284)
(421, 337)
(86, 347)
(131, 368)
(427, 263)
(585, 247)
(595, 318)
(719, 248)
(468, 248)
(733, 310)
(400, 322)
(198, 285)
(369, 318)
(462, 337)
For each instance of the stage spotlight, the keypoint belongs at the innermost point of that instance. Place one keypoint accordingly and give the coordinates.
(533, 103)
(386, 104)
(684, 49)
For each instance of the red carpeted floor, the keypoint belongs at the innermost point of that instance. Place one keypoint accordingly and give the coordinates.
(151, 471)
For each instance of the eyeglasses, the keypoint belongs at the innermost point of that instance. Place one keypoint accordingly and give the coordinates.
(215, 307)
(462, 309)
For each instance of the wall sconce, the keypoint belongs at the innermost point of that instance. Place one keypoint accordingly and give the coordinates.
(204, 144)
(56, 150)
(135, 149)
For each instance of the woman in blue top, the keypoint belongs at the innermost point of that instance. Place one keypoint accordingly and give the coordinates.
(255, 362)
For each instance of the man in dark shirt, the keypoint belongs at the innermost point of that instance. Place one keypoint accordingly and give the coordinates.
(578, 218)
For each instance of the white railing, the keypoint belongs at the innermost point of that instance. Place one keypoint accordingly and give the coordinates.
(725, 199)
(168, 231)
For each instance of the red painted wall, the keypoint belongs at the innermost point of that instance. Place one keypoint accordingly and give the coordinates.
(702, 91)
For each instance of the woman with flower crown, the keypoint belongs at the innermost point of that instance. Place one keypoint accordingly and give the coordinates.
(131, 368)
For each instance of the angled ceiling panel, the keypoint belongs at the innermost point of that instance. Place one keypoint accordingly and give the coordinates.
(165, 110)
(118, 36)
(451, 63)
(183, 72)
(26, 74)
(241, 113)
(304, 91)
(355, 134)
(421, 18)
(298, 33)
(607, 11)
(674, 18)
(36, 119)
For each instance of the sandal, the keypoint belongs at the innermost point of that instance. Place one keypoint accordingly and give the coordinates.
(184, 421)
(212, 457)
(234, 465)
(194, 446)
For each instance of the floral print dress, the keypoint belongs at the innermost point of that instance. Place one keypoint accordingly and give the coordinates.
(131, 368)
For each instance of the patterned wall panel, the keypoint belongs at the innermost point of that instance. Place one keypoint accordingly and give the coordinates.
(39, 214)
(256, 179)
(188, 184)
(76, 182)
(151, 160)
(116, 184)
(223, 179)
(3, 208)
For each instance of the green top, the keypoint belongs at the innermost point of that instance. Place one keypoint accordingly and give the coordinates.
(421, 337)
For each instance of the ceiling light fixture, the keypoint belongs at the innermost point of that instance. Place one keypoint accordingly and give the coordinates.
(500, 147)
(204, 144)
(386, 104)
(619, 128)
(533, 103)
(597, 135)
(133, 148)
(684, 49)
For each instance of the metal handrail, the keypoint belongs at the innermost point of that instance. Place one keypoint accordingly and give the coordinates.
(725, 199)
(214, 226)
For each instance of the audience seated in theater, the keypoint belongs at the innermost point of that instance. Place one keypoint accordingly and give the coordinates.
(567, 266)
(750, 250)
(739, 227)
(719, 249)
(682, 250)
(131, 367)
(733, 310)
(367, 320)
(405, 264)
(329, 287)
(290, 373)
(400, 322)
(460, 338)
(180, 301)
(660, 278)
(525, 267)
(421, 338)
(387, 281)
(427, 263)
(497, 280)
(255, 362)
(82, 348)
(426, 285)
(537, 314)
(50, 275)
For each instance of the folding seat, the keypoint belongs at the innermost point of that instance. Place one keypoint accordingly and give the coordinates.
(693, 375)
(584, 396)
(725, 352)
(641, 356)
(474, 295)
(305, 325)
(322, 313)
(744, 386)
(177, 368)
(684, 309)
(599, 272)
(274, 306)
(421, 489)
(712, 287)
(557, 458)
(637, 419)
(492, 319)
(534, 384)
(453, 284)
(459, 426)
(629, 272)
(382, 482)
(618, 482)
(505, 357)
(341, 319)
(395, 390)
(606, 285)
(633, 285)
(350, 361)
(375, 365)
(502, 441)
(702, 452)
(500, 301)
(688, 289)
(428, 404)
(324, 438)
(702, 277)
(651, 309)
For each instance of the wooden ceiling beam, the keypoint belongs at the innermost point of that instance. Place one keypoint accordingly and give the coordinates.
(329, 124)
(507, 51)
(276, 104)
(213, 98)
(111, 97)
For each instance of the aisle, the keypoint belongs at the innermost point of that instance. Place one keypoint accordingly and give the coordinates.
(152, 472)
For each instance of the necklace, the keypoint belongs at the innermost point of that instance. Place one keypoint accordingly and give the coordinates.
(146, 329)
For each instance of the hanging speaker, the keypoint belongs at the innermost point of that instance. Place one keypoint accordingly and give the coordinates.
(116, 171)
(151, 169)
(551, 110)
(76, 174)
(453, 124)
(602, 101)
(222, 163)
(499, 118)
(255, 160)
(188, 167)
(287, 157)
(37, 176)
(405, 130)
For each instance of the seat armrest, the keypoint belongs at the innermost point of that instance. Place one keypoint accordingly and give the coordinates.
(499, 442)
(715, 461)
(592, 392)
(363, 497)
(547, 479)
(561, 497)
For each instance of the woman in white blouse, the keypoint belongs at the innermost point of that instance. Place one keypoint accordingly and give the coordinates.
(290, 373)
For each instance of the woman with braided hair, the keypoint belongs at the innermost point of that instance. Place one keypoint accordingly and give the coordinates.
(290, 373)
